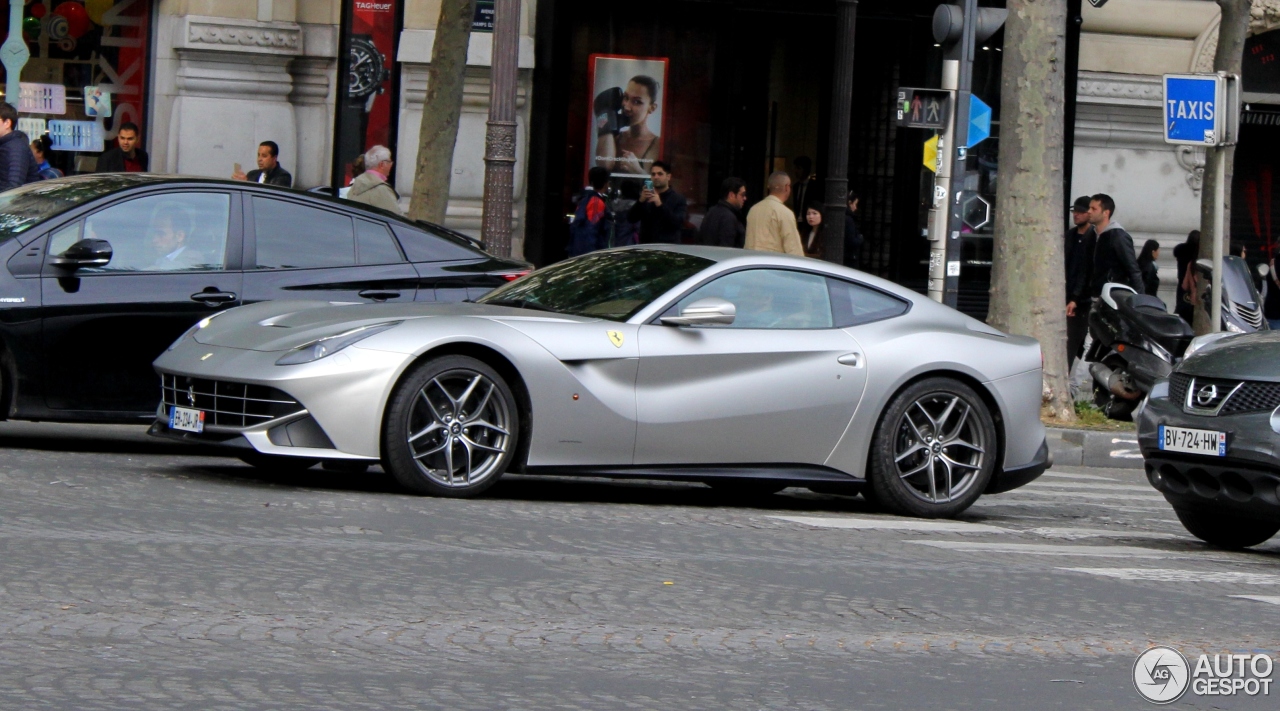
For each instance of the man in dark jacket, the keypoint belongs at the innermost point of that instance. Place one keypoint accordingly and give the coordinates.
(1114, 259)
(661, 211)
(852, 236)
(269, 169)
(17, 165)
(1078, 248)
(127, 156)
(723, 226)
(591, 223)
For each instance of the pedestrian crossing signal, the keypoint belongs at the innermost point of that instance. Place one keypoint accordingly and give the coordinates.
(923, 108)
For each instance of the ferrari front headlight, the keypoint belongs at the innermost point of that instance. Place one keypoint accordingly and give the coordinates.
(190, 332)
(329, 345)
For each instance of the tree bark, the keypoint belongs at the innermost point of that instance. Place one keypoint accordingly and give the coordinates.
(441, 111)
(1028, 292)
(1232, 32)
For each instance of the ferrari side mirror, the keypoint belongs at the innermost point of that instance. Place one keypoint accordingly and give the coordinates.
(704, 312)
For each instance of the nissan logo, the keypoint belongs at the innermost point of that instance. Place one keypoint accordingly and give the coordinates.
(1206, 395)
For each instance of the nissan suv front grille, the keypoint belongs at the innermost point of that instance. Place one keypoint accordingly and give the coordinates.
(1222, 397)
(228, 404)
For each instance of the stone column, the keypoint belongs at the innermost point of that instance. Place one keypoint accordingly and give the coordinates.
(313, 99)
(837, 181)
(500, 136)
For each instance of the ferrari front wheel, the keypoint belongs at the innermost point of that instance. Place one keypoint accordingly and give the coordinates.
(451, 428)
(934, 450)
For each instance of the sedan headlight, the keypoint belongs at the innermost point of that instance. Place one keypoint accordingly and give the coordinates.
(329, 345)
(202, 323)
(1234, 328)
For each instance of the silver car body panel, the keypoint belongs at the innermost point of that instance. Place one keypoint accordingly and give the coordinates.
(604, 393)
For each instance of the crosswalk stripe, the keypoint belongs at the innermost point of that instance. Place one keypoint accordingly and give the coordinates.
(1074, 475)
(1072, 534)
(1048, 549)
(1088, 487)
(1273, 599)
(892, 524)
(1084, 494)
(1172, 575)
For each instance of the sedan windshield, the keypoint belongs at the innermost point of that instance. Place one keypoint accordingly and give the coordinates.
(23, 207)
(611, 285)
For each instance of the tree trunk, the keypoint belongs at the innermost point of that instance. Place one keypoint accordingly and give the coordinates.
(441, 111)
(1232, 32)
(1028, 291)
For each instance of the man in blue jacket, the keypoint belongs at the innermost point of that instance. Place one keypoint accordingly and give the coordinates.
(17, 165)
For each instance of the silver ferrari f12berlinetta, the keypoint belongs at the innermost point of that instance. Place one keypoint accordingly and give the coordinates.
(739, 369)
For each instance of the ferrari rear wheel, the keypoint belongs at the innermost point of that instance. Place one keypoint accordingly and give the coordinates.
(934, 450)
(451, 428)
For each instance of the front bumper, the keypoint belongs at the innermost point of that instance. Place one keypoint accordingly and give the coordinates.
(342, 398)
(1246, 482)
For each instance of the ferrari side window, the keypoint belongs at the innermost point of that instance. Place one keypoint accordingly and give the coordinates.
(854, 304)
(771, 298)
(293, 236)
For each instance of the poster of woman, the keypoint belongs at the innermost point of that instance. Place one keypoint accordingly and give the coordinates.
(627, 113)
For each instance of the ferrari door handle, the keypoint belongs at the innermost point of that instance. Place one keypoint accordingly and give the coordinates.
(379, 294)
(211, 298)
(853, 360)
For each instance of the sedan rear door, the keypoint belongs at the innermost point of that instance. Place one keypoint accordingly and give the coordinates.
(298, 249)
(778, 386)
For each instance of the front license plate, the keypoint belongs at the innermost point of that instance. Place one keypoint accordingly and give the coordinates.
(186, 420)
(1183, 439)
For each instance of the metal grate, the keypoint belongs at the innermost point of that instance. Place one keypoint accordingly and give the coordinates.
(1253, 397)
(1178, 383)
(1253, 317)
(228, 404)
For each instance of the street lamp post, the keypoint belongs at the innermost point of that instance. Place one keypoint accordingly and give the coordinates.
(837, 182)
(500, 136)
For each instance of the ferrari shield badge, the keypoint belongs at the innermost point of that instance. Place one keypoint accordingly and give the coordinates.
(615, 337)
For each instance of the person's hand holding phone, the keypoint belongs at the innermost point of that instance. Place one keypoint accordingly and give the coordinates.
(237, 173)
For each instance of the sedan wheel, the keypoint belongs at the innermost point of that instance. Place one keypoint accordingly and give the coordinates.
(451, 428)
(1226, 530)
(934, 450)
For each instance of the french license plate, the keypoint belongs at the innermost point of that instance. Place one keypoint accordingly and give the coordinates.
(186, 420)
(1183, 439)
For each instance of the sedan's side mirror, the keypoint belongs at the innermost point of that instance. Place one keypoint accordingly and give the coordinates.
(704, 312)
(85, 253)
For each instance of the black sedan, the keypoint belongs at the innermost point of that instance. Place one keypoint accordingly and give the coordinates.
(1210, 435)
(103, 272)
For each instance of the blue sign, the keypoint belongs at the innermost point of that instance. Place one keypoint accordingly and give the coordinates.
(979, 121)
(1192, 109)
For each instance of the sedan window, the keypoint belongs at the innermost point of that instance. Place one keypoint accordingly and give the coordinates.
(770, 298)
(294, 236)
(159, 233)
(375, 245)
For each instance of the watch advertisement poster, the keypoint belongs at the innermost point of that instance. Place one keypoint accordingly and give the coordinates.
(625, 134)
(367, 105)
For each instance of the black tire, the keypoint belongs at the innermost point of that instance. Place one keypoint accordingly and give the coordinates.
(1226, 530)
(420, 439)
(907, 476)
(277, 462)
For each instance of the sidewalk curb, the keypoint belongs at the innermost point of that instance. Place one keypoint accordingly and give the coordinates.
(1087, 448)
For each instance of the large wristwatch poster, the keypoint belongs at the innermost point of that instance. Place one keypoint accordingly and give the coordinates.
(368, 91)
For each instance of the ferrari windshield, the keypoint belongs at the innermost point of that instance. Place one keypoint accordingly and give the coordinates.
(611, 285)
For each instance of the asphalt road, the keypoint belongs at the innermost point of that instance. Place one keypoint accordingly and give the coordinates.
(137, 574)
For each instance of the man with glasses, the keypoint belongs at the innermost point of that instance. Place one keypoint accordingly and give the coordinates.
(371, 186)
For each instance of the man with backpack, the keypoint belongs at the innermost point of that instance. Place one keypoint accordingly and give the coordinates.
(589, 230)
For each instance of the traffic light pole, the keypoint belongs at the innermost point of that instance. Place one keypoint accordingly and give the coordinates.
(939, 214)
(960, 57)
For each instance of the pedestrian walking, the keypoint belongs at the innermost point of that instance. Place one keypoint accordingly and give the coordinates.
(812, 233)
(1186, 254)
(17, 165)
(1147, 265)
(852, 235)
(1078, 252)
(722, 226)
(371, 187)
(269, 171)
(660, 211)
(357, 168)
(771, 225)
(589, 230)
(1113, 259)
(127, 156)
(39, 152)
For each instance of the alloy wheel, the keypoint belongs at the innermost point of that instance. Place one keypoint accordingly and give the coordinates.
(939, 448)
(459, 431)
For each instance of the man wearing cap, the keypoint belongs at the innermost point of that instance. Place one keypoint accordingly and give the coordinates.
(1078, 248)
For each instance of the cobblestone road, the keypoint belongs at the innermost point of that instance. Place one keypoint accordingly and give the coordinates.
(138, 575)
